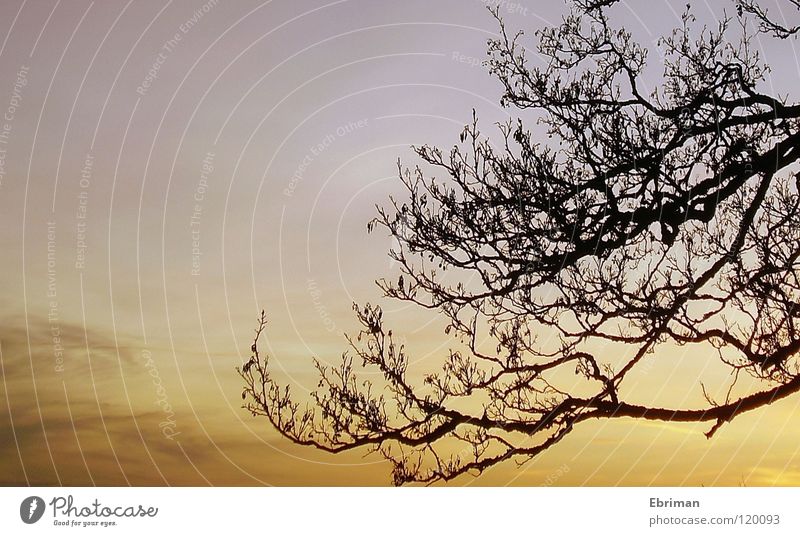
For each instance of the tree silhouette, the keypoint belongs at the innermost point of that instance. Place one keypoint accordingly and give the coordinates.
(633, 218)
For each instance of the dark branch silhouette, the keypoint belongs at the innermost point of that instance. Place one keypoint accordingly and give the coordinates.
(634, 218)
(768, 24)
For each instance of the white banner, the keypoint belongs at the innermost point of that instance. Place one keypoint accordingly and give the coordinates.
(417, 511)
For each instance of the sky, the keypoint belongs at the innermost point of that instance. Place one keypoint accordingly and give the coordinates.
(171, 168)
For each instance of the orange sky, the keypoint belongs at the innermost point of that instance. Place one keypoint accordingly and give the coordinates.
(158, 192)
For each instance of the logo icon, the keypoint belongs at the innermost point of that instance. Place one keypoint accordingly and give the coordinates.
(31, 509)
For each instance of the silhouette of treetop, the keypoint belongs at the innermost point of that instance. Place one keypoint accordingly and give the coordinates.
(634, 219)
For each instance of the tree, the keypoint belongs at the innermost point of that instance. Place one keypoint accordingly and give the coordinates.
(643, 219)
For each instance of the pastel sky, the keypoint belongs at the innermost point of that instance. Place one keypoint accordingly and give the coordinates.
(172, 168)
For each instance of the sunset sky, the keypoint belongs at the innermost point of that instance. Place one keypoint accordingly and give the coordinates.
(169, 169)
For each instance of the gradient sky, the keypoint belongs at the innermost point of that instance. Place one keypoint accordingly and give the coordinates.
(233, 169)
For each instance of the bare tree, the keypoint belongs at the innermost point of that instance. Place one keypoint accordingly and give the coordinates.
(639, 219)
